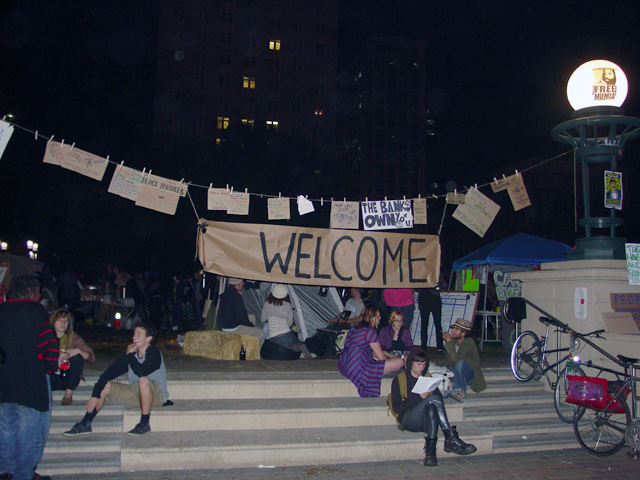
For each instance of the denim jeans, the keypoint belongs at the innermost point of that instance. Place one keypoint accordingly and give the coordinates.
(23, 433)
(463, 375)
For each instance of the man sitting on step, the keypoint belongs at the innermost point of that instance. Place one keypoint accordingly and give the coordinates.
(147, 387)
(463, 358)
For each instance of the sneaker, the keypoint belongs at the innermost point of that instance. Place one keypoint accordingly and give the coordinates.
(458, 396)
(140, 429)
(37, 476)
(78, 429)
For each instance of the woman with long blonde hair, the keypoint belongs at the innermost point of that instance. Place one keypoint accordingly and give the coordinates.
(72, 349)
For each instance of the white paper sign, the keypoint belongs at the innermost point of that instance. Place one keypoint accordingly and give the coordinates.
(158, 193)
(6, 130)
(304, 206)
(76, 160)
(344, 215)
(387, 214)
(126, 182)
(218, 199)
(238, 203)
(633, 262)
(278, 208)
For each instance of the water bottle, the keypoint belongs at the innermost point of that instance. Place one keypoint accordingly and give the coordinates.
(570, 366)
(64, 366)
(243, 354)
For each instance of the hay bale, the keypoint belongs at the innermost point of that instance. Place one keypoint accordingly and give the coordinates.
(218, 345)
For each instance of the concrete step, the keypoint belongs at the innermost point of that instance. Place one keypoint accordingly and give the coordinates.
(101, 424)
(529, 442)
(59, 464)
(251, 414)
(298, 446)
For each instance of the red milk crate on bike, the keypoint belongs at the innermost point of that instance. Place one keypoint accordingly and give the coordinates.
(587, 391)
(594, 392)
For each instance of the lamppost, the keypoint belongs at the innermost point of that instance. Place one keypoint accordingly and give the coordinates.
(597, 131)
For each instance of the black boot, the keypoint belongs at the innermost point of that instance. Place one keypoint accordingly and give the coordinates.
(452, 443)
(430, 459)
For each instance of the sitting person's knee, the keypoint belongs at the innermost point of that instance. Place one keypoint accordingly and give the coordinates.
(144, 382)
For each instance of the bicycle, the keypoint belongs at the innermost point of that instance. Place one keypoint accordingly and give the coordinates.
(606, 422)
(529, 355)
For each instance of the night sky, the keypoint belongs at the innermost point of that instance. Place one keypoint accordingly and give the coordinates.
(83, 71)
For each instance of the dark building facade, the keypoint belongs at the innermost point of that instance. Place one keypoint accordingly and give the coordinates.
(388, 127)
(257, 64)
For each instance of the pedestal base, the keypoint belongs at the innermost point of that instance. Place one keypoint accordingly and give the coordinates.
(600, 247)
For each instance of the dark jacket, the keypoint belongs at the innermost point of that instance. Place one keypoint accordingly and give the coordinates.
(31, 352)
(232, 312)
(403, 406)
(468, 352)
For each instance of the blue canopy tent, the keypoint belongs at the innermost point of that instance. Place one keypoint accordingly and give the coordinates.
(517, 252)
(518, 249)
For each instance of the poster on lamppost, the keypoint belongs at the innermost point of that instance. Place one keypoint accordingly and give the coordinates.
(613, 189)
(387, 214)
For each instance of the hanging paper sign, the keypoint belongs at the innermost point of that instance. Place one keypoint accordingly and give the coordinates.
(218, 199)
(387, 214)
(455, 198)
(160, 194)
(126, 182)
(633, 262)
(304, 206)
(613, 189)
(477, 213)
(238, 203)
(278, 208)
(518, 192)
(420, 211)
(76, 160)
(6, 130)
(499, 185)
(345, 215)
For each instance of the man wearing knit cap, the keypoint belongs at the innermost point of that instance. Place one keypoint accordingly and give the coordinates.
(462, 356)
(232, 314)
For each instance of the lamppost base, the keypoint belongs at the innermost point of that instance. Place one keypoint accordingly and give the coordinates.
(599, 247)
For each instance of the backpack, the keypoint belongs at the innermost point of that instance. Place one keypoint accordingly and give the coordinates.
(402, 384)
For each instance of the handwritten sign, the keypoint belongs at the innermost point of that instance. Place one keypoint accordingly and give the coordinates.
(420, 211)
(477, 213)
(316, 256)
(500, 185)
(387, 214)
(238, 203)
(518, 192)
(217, 198)
(626, 302)
(74, 159)
(278, 208)
(6, 130)
(453, 198)
(633, 262)
(345, 215)
(506, 286)
(160, 194)
(126, 182)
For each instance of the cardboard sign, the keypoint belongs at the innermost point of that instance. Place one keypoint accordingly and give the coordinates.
(278, 208)
(518, 192)
(345, 215)
(126, 182)
(626, 302)
(621, 323)
(72, 158)
(477, 213)
(315, 256)
(160, 194)
(420, 211)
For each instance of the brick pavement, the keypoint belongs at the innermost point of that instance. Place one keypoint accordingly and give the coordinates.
(568, 464)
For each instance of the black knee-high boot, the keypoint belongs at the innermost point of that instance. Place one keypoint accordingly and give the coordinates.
(430, 459)
(453, 444)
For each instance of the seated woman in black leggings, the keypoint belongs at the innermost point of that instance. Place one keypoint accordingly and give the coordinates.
(424, 412)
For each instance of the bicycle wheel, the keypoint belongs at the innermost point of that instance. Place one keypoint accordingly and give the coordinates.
(602, 433)
(566, 411)
(525, 356)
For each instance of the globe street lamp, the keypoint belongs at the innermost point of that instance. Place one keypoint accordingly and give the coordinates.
(597, 131)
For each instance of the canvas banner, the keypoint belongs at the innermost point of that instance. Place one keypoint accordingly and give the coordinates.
(316, 256)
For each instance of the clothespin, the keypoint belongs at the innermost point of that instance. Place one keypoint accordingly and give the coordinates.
(344, 199)
(321, 202)
(51, 139)
(211, 185)
(495, 180)
(279, 194)
(62, 143)
(245, 190)
(149, 172)
(476, 186)
(73, 145)
(366, 199)
(143, 169)
(435, 196)
(385, 199)
(121, 163)
(182, 181)
(504, 176)
(404, 197)
(517, 174)
(418, 196)
(36, 135)
(230, 191)
(455, 191)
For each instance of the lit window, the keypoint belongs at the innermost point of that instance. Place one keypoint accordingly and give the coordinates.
(248, 121)
(272, 125)
(274, 44)
(318, 112)
(223, 123)
(248, 82)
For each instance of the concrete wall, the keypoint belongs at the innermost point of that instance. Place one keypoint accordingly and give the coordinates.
(553, 289)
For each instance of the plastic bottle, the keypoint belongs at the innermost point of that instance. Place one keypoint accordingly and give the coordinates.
(243, 353)
(64, 366)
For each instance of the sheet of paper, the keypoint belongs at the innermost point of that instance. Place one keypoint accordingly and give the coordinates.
(238, 203)
(426, 384)
(477, 213)
(6, 130)
(344, 215)
(278, 208)
(420, 211)
(305, 206)
(218, 199)
(126, 182)
(518, 192)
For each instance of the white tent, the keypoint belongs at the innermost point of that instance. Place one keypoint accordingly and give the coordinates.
(312, 309)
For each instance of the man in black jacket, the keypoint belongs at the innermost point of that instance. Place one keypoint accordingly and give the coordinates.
(147, 387)
(30, 350)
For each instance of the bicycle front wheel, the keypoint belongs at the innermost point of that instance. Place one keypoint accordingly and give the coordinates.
(602, 433)
(525, 356)
(566, 411)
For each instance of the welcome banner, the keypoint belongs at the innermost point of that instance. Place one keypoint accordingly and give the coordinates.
(316, 256)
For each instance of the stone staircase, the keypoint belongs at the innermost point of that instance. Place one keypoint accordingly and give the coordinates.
(235, 419)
